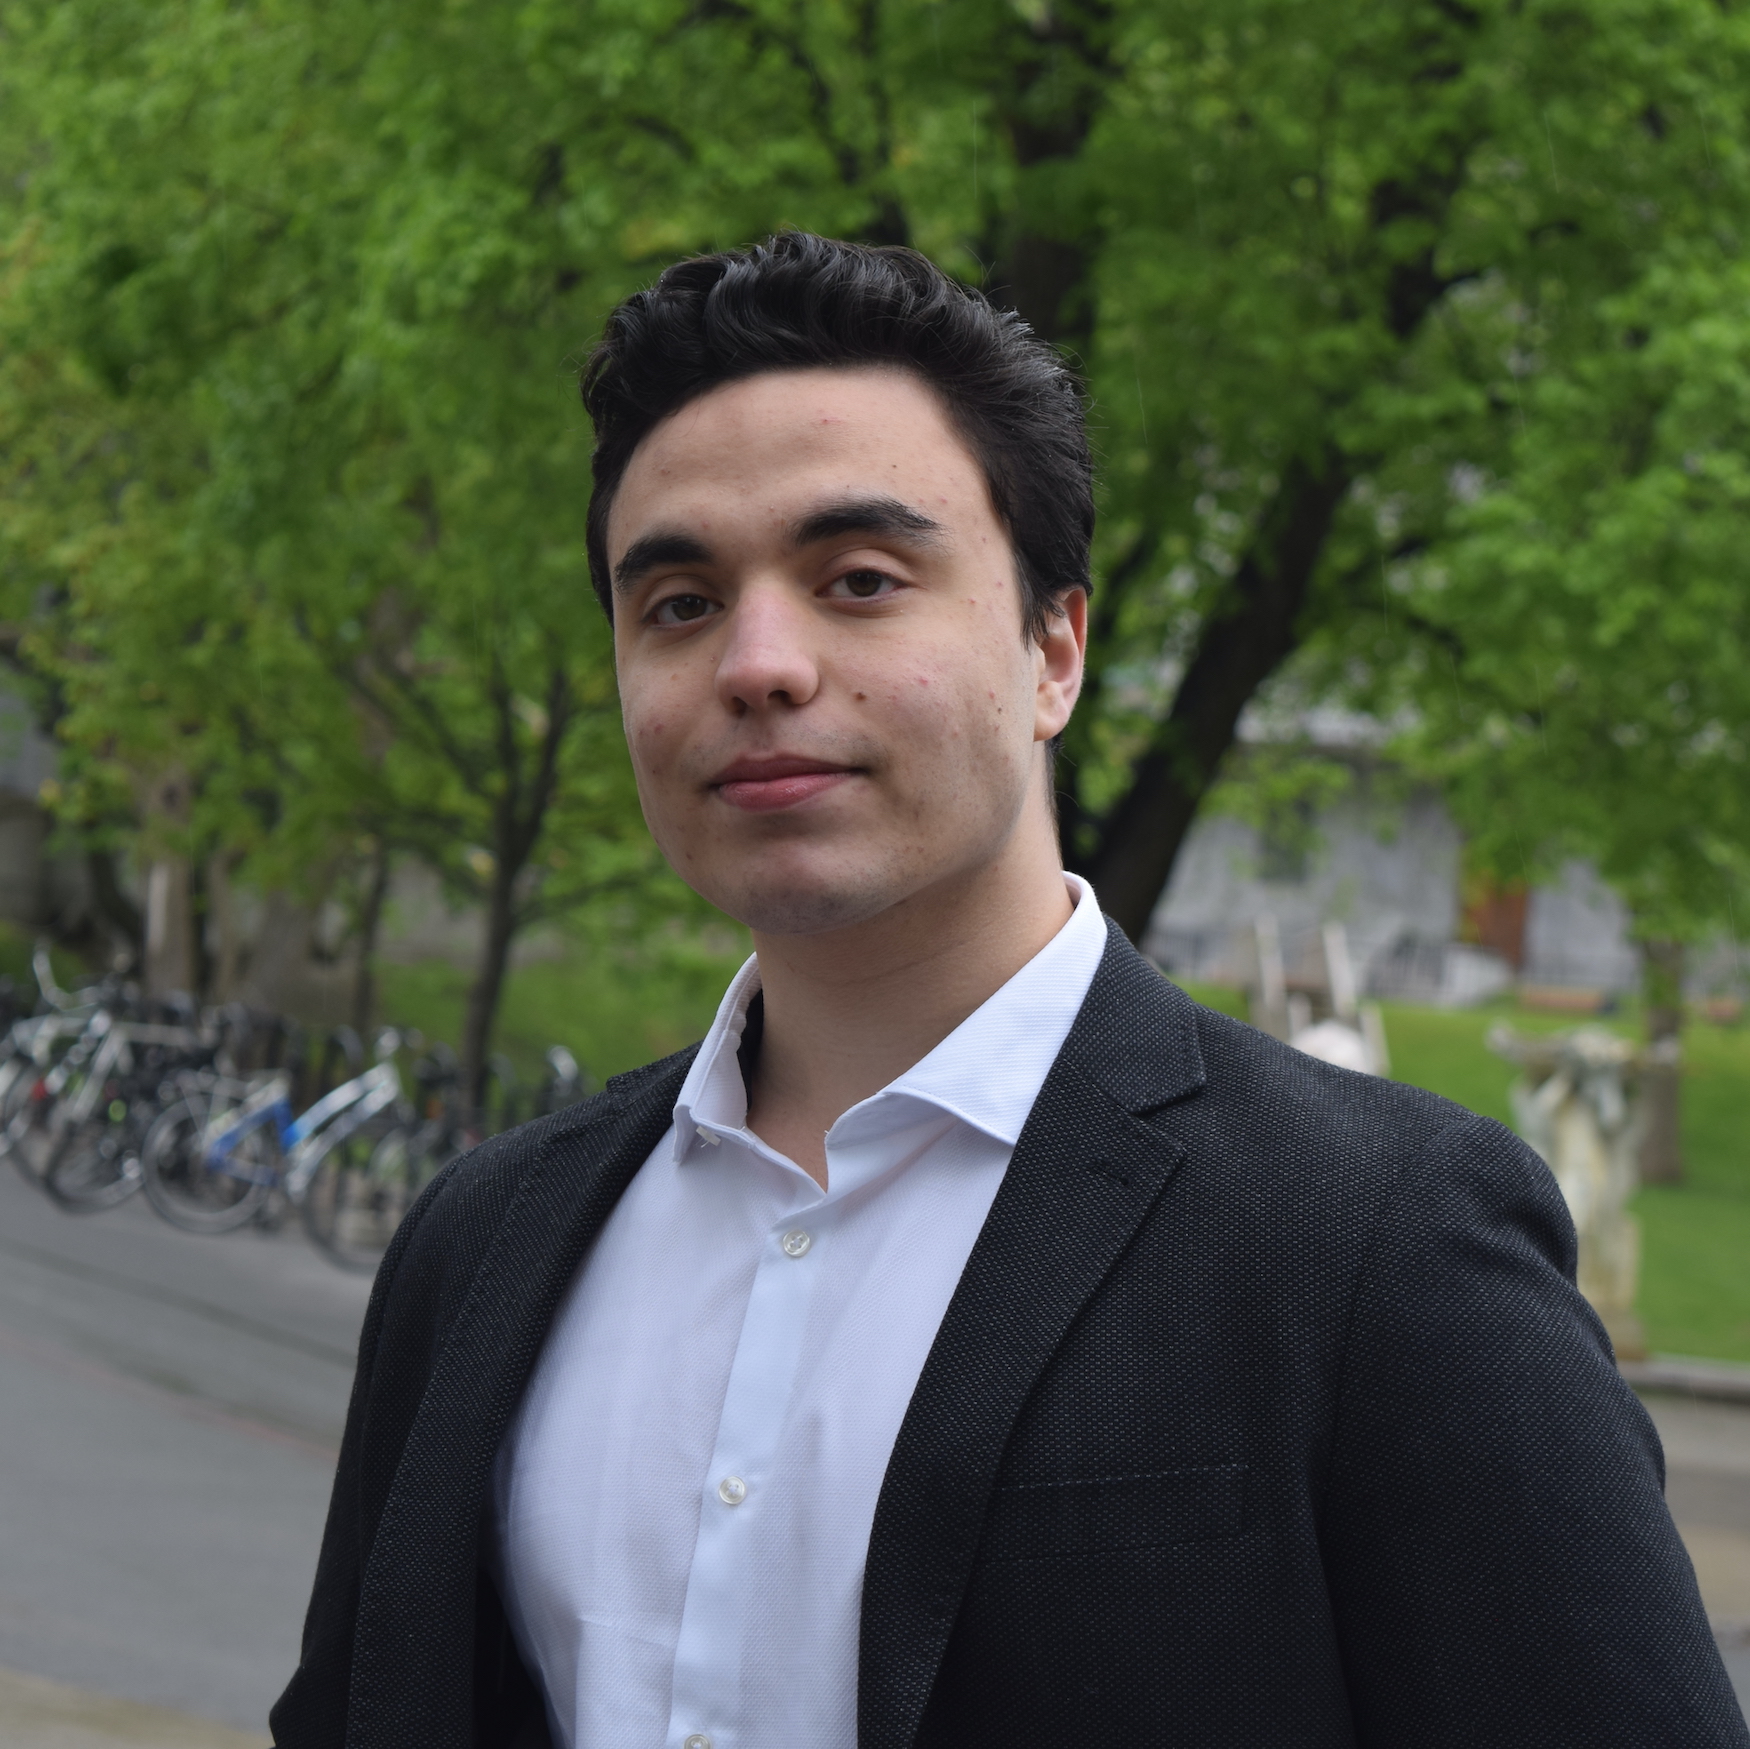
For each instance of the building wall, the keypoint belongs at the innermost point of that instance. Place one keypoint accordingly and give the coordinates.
(1388, 868)
(1576, 933)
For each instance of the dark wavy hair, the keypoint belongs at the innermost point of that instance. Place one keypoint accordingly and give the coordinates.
(797, 301)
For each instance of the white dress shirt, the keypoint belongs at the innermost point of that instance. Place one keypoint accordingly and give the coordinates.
(683, 1501)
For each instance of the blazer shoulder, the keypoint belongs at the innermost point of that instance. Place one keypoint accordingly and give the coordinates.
(449, 1230)
(496, 1165)
(1246, 1064)
(1276, 1117)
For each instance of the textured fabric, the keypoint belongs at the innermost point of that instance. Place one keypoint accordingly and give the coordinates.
(692, 1348)
(1210, 1254)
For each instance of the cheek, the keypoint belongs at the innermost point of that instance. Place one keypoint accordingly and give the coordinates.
(961, 711)
(652, 723)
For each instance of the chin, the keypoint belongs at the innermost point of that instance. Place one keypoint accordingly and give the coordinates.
(792, 904)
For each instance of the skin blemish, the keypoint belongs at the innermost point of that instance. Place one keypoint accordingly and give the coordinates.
(861, 696)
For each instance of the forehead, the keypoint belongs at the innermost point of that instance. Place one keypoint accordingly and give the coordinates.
(769, 445)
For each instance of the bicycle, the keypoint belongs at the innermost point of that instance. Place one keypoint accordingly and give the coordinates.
(351, 1164)
(81, 1088)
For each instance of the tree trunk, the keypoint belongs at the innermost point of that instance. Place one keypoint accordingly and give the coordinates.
(364, 989)
(169, 927)
(170, 942)
(113, 909)
(1661, 1084)
(1242, 644)
(1061, 77)
(488, 984)
(222, 908)
(278, 979)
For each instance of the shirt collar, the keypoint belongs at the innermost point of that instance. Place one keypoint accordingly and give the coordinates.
(987, 1072)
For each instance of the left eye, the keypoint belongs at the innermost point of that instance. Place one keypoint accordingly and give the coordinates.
(863, 585)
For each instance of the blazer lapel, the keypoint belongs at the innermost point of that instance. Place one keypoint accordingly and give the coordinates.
(412, 1671)
(1085, 1172)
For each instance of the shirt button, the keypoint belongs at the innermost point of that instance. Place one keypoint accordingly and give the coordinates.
(732, 1490)
(796, 1243)
(698, 1740)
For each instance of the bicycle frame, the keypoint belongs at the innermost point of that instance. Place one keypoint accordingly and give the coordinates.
(305, 1141)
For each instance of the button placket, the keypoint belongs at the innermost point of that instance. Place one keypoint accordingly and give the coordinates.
(707, 1666)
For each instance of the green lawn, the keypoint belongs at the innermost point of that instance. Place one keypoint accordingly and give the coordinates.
(1695, 1273)
(614, 1009)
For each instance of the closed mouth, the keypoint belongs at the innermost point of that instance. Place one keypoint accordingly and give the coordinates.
(764, 786)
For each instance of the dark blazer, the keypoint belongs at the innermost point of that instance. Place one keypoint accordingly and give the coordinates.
(1265, 1414)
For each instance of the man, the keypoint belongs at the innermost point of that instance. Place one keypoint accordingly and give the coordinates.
(973, 1341)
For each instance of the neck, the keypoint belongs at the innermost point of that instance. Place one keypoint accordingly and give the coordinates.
(849, 1010)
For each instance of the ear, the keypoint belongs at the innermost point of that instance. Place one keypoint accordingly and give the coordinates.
(1062, 646)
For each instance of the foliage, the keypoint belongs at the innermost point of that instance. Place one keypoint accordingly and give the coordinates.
(1346, 252)
(1585, 689)
(292, 480)
(307, 417)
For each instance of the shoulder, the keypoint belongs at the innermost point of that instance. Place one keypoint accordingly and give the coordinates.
(1267, 1131)
(1298, 1131)
(1249, 1073)
(448, 1231)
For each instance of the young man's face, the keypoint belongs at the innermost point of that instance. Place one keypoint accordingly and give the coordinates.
(831, 703)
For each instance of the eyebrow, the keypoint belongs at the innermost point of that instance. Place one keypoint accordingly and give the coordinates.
(880, 516)
(884, 516)
(665, 547)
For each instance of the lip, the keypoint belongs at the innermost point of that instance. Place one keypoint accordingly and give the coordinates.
(766, 786)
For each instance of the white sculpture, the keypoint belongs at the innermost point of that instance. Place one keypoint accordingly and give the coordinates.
(1352, 1035)
(1575, 1103)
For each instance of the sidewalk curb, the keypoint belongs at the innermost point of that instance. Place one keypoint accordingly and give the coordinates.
(1716, 1380)
(36, 1713)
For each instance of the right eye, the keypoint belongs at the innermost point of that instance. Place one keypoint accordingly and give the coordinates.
(680, 610)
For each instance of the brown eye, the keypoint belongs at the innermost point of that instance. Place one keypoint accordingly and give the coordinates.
(682, 609)
(864, 584)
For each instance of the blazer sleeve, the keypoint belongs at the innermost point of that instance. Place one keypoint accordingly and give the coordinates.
(311, 1714)
(1502, 1566)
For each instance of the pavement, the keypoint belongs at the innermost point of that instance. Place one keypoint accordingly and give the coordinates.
(172, 1410)
(1707, 1487)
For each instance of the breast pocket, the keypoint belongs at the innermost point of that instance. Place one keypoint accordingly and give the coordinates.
(1112, 1513)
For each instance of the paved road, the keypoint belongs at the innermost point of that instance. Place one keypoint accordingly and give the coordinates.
(172, 1406)
(1707, 1485)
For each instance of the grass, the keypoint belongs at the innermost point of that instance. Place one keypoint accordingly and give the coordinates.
(613, 1008)
(1695, 1269)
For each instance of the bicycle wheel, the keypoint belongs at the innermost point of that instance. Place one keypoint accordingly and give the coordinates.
(95, 1164)
(356, 1197)
(192, 1194)
(19, 1080)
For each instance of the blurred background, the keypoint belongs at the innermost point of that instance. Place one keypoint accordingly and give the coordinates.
(1418, 351)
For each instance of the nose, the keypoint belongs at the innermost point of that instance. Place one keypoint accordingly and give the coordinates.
(767, 659)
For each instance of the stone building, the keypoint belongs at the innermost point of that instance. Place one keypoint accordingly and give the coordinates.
(1386, 862)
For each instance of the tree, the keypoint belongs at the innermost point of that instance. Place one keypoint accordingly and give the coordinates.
(311, 582)
(1580, 679)
(1336, 241)
(306, 281)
